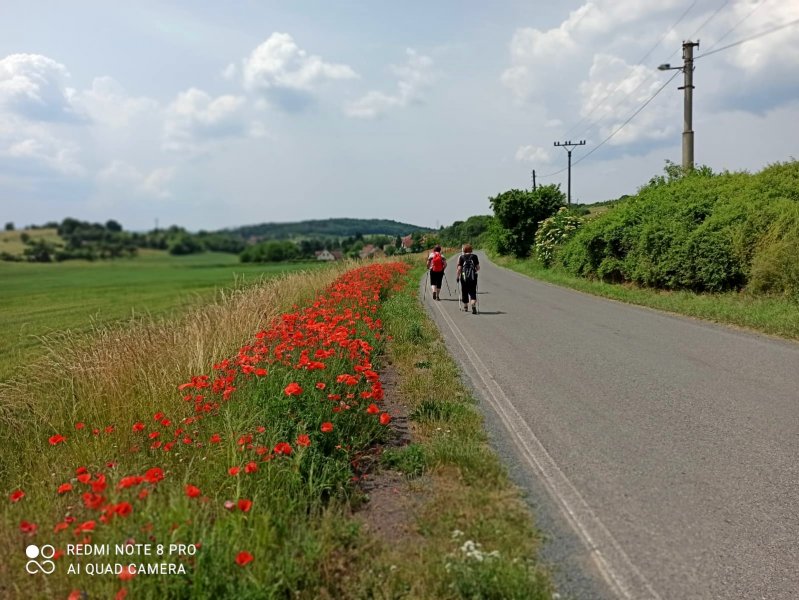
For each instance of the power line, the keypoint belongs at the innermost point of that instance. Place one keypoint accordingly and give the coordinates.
(615, 131)
(652, 74)
(757, 35)
(616, 89)
(734, 27)
(632, 116)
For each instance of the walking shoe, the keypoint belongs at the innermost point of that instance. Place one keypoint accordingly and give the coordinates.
(434, 296)
(474, 309)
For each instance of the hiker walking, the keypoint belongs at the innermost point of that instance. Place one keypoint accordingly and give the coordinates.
(468, 265)
(436, 264)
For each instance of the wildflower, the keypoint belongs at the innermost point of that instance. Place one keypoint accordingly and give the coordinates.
(79, 425)
(373, 410)
(64, 488)
(57, 439)
(129, 481)
(245, 505)
(293, 389)
(385, 418)
(123, 509)
(251, 467)
(27, 527)
(215, 439)
(16, 496)
(128, 573)
(303, 440)
(321, 385)
(154, 475)
(243, 558)
(138, 426)
(192, 491)
(234, 470)
(283, 448)
(327, 427)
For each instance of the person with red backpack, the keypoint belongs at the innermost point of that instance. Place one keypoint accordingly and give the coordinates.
(436, 264)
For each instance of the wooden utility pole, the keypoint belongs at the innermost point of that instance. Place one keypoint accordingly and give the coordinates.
(533, 179)
(569, 147)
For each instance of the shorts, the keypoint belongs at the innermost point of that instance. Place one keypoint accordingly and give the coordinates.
(436, 278)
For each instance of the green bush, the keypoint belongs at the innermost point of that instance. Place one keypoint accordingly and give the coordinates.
(698, 231)
(553, 233)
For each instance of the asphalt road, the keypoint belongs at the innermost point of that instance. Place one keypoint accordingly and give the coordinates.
(661, 453)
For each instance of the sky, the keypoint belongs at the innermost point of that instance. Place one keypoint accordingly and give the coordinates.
(217, 114)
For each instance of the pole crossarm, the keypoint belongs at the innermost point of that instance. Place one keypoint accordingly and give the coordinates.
(569, 146)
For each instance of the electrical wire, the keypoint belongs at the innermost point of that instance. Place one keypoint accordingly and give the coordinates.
(616, 89)
(737, 24)
(752, 37)
(619, 128)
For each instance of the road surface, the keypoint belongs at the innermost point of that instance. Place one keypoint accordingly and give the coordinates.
(661, 453)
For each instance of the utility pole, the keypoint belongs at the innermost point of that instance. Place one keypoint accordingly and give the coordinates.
(569, 147)
(688, 102)
(533, 179)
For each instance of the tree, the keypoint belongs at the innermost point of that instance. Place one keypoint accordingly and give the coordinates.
(517, 215)
(10, 226)
(114, 226)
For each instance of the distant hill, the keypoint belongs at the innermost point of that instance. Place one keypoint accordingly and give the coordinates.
(325, 227)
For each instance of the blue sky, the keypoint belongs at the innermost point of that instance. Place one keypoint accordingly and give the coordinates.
(212, 115)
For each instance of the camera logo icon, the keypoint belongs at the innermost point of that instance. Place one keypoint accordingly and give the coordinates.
(46, 566)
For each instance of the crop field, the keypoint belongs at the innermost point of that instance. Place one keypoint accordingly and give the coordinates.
(40, 299)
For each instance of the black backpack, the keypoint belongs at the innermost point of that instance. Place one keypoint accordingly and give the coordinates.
(468, 269)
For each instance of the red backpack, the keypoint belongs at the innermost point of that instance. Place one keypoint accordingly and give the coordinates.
(437, 262)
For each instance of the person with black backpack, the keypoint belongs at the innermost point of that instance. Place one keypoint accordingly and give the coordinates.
(436, 263)
(468, 265)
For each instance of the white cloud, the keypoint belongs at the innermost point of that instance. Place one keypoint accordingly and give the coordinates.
(413, 78)
(278, 63)
(533, 154)
(108, 104)
(120, 175)
(195, 118)
(34, 86)
(45, 150)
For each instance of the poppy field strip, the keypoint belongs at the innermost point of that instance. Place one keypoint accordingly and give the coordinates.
(248, 462)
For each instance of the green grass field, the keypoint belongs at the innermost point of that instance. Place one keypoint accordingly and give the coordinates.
(38, 299)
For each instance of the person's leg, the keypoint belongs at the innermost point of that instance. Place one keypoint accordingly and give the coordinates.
(465, 295)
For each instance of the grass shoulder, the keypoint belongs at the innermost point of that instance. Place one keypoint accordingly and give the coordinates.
(766, 314)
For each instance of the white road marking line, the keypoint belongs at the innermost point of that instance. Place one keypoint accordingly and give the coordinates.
(624, 578)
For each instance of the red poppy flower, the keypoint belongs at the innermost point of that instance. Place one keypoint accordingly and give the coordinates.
(260, 372)
(143, 494)
(245, 505)
(16, 496)
(243, 558)
(293, 389)
(154, 475)
(75, 595)
(303, 440)
(121, 594)
(129, 481)
(128, 573)
(64, 488)
(283, 448)
(373, 410)
(57, 439)
(123, 509)
(321, 385)
(99, 484)
(234, 470)
(85, 527)
(215, 439)
(138, 426)
(27, 527)
(251, 467)
(327, 427)
(92, 501)
(79, 425)
(385, 418)
(192, 491)
(158, 416)
(60, 526)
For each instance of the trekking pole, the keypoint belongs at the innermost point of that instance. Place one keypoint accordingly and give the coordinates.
(426, 275)
(449, 292)
(476, 295)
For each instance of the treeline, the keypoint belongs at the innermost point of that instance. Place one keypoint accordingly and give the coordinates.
(306, 249)
(699, 231)
(97, 241)
(325, 228)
